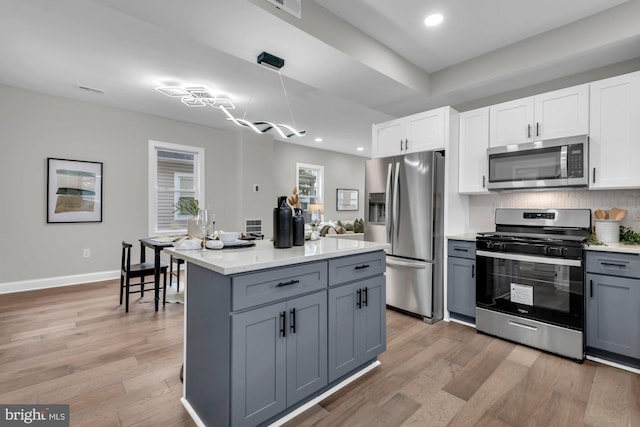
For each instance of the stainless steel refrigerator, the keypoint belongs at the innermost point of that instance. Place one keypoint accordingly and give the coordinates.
(404, 207)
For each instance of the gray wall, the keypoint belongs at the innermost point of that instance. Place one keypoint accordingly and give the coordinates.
(340, 171)
(34, 126)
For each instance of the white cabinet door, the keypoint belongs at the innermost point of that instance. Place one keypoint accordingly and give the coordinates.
(556, 114)
(511, 122)
(562, 113)
(388, 138)
(425, 131)
(615, 132)
(474, 141)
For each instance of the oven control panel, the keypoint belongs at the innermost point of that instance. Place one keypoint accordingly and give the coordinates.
(539, 215)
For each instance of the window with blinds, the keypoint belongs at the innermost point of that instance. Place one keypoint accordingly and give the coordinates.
(175, 174)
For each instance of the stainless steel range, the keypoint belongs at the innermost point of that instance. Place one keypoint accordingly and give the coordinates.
(530, 278)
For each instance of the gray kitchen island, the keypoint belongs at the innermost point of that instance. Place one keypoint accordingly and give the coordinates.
(268, 330)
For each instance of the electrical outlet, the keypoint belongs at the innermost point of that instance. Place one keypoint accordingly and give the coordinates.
(86, 253)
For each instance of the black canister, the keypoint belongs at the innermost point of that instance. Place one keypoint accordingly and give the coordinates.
(282, 224)
(298, 228)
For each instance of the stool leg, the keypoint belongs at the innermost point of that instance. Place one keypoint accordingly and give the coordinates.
(178, 281)
(126, 305)
(121, 287)
(171, 270)
(164, 288)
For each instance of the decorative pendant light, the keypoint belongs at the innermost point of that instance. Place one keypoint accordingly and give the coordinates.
(199, 96)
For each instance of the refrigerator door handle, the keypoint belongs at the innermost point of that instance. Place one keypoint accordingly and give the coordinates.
(396, 190)
(387, 219)
(421, 265)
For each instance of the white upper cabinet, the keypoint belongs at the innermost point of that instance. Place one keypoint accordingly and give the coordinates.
(510, 122)
(556, 114)
(474, 141)
(418, 132)
(388, 138)
(615, 132)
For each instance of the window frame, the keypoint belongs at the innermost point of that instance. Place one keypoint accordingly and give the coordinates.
(319, 198)
(198, 181)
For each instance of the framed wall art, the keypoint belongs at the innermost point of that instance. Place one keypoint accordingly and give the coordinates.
(346, 199)
(74, 191)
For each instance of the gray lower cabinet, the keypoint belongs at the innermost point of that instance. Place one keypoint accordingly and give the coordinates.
(278, 357)
(461, 280)
(258, 344)
(357, 331)
(612, 306)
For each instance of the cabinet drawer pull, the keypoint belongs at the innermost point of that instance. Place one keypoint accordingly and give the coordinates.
(612, 264)
(365, 296)
(360, 267)
(283, 323)
(289, 283)
(359, 300)
(522, 325)
(461, 250)
(292, 320)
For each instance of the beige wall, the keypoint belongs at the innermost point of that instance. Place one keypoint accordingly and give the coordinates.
(34, 126)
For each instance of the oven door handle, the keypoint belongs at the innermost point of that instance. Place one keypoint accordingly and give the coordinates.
(530, 258)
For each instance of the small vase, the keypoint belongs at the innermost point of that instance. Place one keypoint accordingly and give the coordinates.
(192, 228)
(298, 228)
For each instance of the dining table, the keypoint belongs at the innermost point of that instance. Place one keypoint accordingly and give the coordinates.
(157, 246)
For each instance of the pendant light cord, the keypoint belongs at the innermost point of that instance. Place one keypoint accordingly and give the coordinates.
(286, 98)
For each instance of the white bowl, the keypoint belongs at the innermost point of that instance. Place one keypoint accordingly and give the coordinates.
(228, 236)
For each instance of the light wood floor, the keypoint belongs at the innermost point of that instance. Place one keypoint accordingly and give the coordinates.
(76, 345)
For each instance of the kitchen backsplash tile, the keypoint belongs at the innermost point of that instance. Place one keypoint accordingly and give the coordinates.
(482, 208)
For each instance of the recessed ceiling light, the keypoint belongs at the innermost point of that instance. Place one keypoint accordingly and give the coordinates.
(433, 20)
(318, 140)
(360, 148)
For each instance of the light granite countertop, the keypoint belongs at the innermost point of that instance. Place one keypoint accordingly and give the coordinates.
(263, 255)
(467, 236)
(615, 247)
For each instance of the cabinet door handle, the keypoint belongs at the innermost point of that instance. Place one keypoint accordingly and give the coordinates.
(612, 264)
(406, 144)
(400, 145)
(528, 131)
(359, 301)
(289, 283)
(473, 271)
(537, 129)
(283, 324)
(292, 320)
(591, 288)
(365, 296)
(594, 175)
(484, 181)
(360, 267)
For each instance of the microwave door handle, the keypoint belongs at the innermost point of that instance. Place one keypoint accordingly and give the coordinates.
(387, 201)
(564, 162)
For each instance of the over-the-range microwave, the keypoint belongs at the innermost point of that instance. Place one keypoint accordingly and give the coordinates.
(562, 162)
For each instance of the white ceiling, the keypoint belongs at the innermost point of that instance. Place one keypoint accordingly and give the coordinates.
(348, 63)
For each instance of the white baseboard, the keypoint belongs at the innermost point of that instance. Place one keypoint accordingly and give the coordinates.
(54, 282)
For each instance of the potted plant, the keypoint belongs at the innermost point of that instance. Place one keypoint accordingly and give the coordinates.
(189, 206)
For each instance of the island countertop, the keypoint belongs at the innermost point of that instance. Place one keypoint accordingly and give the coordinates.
(263, 255)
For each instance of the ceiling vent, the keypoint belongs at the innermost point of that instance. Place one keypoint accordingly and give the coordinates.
(291, 6)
